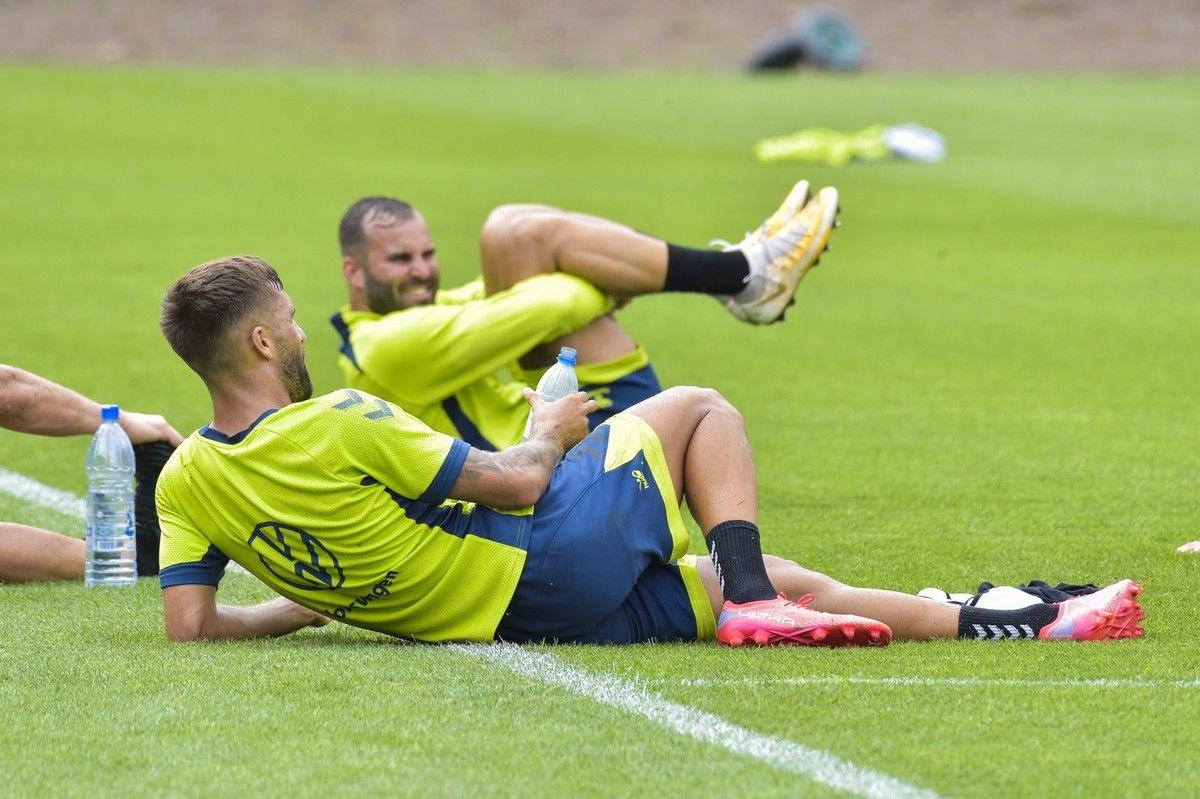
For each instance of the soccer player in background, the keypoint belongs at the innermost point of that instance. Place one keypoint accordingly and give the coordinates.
(32, 404)
(457, 358)
(354, 510)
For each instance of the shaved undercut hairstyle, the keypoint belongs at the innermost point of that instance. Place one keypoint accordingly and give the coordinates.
(202, 308)
(352, 231)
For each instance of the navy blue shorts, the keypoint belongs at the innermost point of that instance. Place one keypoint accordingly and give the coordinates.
(620, 394)
(603, 562)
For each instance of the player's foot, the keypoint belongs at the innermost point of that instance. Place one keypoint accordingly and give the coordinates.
(781, 622)
(796, 199)
(780, 258)
(1107, 614)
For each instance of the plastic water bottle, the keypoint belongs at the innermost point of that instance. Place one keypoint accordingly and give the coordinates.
(558, 381)
(111, 557)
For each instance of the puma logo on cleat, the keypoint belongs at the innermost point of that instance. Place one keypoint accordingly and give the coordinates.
(643, 484)
(759, 616)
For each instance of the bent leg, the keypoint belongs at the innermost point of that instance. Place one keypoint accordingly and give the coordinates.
(28, 554)
(519, 241)
(708, 452)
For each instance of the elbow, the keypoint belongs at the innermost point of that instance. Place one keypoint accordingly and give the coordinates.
(184, 632)
(520, 495)
(190, 628)
(528, 496)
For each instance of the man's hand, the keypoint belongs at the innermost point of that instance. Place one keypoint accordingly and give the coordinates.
(563, 422)
(142, 428)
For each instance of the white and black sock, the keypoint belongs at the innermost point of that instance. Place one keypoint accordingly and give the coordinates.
(993, 625)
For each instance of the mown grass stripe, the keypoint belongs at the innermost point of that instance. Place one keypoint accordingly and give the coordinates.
(934, 682)
(816, 764)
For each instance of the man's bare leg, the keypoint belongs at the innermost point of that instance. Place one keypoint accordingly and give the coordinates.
(909, 616)
(704, 442)
(708, 453)
(28, 554)
(520, 241)
(707, 449)
(705, 445)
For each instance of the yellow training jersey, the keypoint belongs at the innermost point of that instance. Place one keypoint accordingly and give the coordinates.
(453, 364)
(339, 503)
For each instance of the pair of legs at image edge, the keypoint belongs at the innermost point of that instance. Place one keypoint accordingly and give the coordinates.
(765, 601)
(29, 554)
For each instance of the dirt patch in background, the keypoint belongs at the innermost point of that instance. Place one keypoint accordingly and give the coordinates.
(923, 35)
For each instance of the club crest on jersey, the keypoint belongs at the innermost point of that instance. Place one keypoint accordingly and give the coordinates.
(296, 557)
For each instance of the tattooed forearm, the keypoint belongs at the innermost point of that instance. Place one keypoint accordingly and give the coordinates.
(520, 458)
(514, 478)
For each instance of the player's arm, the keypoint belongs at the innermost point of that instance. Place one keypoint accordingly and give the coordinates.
(32, 404)
(517, 477)
(191, 613)
(426, 354)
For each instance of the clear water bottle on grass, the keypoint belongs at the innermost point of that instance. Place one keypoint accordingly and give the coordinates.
(558, 381)
(111, 548)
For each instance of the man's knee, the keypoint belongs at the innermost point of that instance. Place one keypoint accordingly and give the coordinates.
(703, 400)
(519, 229)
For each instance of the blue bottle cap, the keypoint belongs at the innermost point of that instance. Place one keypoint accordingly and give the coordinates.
(110, 413)
(567, 355)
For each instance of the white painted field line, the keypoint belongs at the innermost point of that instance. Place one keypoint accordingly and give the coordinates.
(818, 765)
(933, 682)
(64, 502)
(31, 490)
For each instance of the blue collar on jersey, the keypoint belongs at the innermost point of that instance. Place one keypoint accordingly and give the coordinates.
(216, 435)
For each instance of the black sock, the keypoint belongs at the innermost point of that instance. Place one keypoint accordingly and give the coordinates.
(737, 556)
(149, 459)
(992, 625)
(705, 271)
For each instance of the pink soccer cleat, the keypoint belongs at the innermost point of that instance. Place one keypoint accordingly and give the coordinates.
(781, 622)
(1106, 615)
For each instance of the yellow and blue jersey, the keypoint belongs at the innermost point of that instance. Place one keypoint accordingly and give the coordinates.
(340, 504)
(454, 364)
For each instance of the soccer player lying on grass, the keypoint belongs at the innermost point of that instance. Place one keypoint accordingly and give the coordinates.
(32, 404)
(352, 509)
(451, 358)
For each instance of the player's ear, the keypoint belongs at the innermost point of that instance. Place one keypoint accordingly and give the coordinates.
(261, 341)
(352, 271)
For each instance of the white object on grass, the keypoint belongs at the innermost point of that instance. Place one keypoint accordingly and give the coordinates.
(915, 143)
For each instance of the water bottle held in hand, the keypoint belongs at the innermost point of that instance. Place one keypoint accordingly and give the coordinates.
(111, 549)
(558, 381)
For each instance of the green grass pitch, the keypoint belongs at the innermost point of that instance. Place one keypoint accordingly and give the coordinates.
(992, 375)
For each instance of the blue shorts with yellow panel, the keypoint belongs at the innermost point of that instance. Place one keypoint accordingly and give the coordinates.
(617, 385)
(605, 561)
